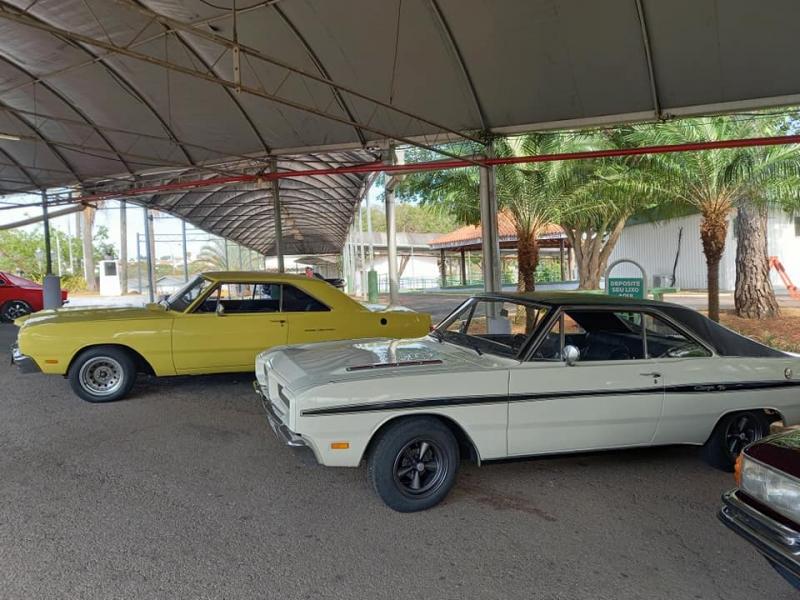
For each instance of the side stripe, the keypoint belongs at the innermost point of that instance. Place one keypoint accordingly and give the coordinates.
(701, 388)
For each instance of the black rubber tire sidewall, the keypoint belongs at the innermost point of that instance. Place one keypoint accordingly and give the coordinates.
(380, 462)
(9, 303)
(118, 354)
(714, 451)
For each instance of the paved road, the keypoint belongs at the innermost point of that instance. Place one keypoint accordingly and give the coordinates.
(183, 492)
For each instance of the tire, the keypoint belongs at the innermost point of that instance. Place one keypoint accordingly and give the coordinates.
(732, 433)
(406, 481)
(13, 309)
(102, 374)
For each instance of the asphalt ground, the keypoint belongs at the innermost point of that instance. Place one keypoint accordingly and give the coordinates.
(182, 491)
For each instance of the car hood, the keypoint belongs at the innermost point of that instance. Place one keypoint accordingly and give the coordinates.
(308, 365)
(83, 314)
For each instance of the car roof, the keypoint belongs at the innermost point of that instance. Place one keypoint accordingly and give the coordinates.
(247, 276)
(575, 298)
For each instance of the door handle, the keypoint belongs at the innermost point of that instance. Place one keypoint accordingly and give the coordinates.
(653, 374)
(277, 321)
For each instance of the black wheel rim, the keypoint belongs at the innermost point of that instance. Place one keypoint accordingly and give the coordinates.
(15, 310)
(741, 431)
(420, 467)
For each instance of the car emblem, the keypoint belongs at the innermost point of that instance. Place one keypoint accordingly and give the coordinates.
(787, 372)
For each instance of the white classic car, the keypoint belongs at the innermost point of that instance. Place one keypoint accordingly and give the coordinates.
(511, 375)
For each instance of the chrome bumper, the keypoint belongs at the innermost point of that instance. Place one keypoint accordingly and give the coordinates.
(775, 541)
(289, 437)
(25, 363)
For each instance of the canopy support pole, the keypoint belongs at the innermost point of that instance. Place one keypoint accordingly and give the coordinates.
(276, 209)
(51, 293)
(391, 238)
(185, 253)
(148, 244)
(490, 240)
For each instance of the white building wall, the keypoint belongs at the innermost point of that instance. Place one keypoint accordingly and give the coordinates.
(653, 245)
(785, 244)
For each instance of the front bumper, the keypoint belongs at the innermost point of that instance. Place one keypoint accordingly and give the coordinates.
(25, 363)
(289, 437)
(778, 543)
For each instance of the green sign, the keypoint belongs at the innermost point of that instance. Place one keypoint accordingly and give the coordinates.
(629, 287)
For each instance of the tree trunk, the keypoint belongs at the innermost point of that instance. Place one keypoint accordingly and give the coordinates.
(713, 231)
(754, 297)
(88, 250)
(592, 251)
(527, 259)
(123, 247)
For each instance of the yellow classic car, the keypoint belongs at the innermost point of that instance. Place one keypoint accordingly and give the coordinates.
(216, 323)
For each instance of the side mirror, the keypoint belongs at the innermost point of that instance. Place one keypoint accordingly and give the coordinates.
(571, 355)
(220, 309)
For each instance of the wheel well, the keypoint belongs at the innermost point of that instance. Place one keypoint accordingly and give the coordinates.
(772, 415)
(142, 366)
(466, 446)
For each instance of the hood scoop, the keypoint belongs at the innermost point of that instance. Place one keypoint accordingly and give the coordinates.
(388, 365)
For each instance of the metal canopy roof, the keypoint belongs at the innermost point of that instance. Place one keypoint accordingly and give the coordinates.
(105, 92)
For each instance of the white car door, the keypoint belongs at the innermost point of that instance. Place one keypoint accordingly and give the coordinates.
(611, 397)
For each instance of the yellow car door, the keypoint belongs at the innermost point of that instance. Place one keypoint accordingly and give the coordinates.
(226, 330)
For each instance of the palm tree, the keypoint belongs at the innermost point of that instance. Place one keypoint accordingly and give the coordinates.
(711, 181)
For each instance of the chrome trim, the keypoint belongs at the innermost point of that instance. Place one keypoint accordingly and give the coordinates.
(289, 437)
(772, 539)
(25, 363)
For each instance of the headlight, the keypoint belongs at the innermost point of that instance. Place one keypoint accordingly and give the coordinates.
(779, 492)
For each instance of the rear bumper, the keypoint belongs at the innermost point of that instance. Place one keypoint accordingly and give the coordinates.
(25, 363)
(778, 543)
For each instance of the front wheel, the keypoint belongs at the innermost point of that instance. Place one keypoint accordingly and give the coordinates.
(731, 435)
(413, 464)
(102, 374)
(14, 309)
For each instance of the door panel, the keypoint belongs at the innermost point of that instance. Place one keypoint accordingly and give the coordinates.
(604, 404)
(209, 343)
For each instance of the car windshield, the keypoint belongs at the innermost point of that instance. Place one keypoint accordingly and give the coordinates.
(492, 325)
(184, 297)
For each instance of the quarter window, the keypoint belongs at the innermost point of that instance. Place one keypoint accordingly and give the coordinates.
(664, 341)
(296, 300)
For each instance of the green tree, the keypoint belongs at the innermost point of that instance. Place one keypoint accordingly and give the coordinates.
(714, 182)
(413, 218)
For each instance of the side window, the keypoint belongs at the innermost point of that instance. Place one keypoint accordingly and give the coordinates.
(664, 341)
(599, 335)
(245, 298)
(296, 300)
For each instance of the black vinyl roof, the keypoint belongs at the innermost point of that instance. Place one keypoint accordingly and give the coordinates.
(724, 341)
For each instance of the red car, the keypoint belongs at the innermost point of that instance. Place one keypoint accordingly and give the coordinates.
(20, 296)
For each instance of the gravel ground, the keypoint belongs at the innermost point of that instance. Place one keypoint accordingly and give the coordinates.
(183, 492)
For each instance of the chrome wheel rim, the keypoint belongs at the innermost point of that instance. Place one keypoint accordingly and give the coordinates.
(419, 467)
(101, 376)
(16, 310)
(741, 431)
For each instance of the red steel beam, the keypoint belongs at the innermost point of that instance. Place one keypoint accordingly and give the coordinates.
(448, 164)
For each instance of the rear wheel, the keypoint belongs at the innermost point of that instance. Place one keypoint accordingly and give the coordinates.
(731, 435)
(13, 309)
(102, 374)
(413, 464)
